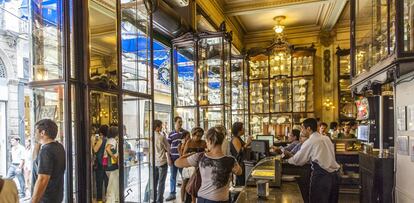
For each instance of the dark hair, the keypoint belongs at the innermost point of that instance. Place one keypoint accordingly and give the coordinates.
(103, 129)
(312, 123)
(215, 136)
(17, 138)
(333, 125)
(296, 133)
(157, 124)
(197, 130)
(113, 132)
(324, 124)
(185, 133)
(236, 128)
(177, 118)
(49, 126)
(352, 123)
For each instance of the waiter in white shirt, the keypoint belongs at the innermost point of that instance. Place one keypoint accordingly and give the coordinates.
(319, 151)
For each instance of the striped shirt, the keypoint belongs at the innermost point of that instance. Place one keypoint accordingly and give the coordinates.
(174, 139)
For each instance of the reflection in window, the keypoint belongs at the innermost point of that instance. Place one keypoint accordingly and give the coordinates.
(47, 39)
(185, 77)
(103, 68)
(135, 47)
(408, 25)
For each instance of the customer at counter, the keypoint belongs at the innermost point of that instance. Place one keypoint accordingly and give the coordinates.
(238, 149)
(319, 150)
(293, 139)
(302, 139)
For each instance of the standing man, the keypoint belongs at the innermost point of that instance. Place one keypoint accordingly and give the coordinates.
(319, 150)
(49, 166)
(17, 163)
(174, 139)
(162, 148)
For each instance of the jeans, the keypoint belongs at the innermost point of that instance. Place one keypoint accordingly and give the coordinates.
(101, 178)
(173, 178)
(14, 173)
(160, 177)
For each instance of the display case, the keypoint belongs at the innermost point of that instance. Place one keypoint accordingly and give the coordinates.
(203, 87)
(239, 87)
(281, 87)
(346, 105)
(381, 35)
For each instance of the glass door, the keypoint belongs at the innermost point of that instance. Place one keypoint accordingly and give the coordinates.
(136, 148)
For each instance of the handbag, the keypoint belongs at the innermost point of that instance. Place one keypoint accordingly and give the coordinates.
(187, 172)
(194, 183)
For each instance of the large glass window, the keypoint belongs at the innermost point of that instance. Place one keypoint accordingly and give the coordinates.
(47, 39)
(103, 55)
(135, 46)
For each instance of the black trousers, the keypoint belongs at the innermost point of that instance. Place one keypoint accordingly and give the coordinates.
(324, 187)
(101, 179)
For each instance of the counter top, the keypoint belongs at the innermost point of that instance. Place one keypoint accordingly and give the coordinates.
(288, 192)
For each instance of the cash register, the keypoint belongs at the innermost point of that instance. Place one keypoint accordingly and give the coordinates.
(263, 166)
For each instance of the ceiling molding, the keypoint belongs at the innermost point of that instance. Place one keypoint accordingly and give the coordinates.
(333, 13)
(259, 6)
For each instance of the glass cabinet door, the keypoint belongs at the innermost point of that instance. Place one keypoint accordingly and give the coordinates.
(281, 95)
(211, 71)
(184, 76)
(258, 66)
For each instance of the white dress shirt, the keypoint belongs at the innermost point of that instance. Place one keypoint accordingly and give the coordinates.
(318, 149)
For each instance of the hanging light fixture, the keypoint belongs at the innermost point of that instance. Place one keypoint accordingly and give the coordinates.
(279, 28)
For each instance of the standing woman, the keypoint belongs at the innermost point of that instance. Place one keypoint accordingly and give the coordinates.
(215, 169)
(111, 155)
(194, 145)
(98, 147)
(238, 149)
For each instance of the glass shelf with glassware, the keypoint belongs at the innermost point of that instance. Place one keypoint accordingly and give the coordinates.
(281, 86)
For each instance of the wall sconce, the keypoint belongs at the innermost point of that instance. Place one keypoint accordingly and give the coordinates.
(328, 104)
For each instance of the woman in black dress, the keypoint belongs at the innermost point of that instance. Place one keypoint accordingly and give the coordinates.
(238, 149)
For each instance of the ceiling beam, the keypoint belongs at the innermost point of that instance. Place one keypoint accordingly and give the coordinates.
(259, 6)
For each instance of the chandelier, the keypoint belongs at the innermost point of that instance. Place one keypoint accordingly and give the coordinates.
(279, 28)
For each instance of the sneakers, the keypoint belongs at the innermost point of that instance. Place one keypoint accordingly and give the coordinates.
(170, 197)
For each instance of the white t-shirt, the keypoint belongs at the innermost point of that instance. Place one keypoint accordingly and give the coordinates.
(114, 143)
(18, 153)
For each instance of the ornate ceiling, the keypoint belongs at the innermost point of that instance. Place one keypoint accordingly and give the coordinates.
(256, 16)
